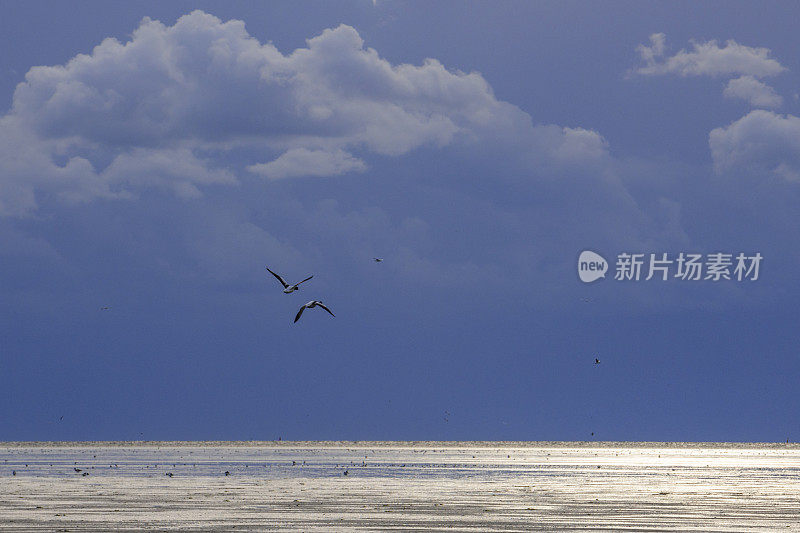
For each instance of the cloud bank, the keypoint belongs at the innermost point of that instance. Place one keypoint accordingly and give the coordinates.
(166, 108)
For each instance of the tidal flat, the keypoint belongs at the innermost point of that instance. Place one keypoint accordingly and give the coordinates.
(400, 486)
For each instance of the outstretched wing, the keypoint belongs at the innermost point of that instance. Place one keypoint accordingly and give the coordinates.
(325, 308)
(300, 312)
(308, 278)
(285, 285)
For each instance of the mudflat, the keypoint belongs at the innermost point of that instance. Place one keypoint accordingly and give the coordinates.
(404, 486)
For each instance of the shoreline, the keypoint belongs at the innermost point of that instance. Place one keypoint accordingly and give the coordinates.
(401, 444)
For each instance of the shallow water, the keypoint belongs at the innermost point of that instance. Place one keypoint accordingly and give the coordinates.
(399, 486)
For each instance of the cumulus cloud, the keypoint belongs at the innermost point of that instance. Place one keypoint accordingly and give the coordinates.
(755, 92)
(162, 109)
(707, 59)
(304, 162)
(580, 145)
(759, 142)
(29, 165)
(178, 169)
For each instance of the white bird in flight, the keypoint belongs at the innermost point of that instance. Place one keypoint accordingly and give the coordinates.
(309, 305)
(286, 287)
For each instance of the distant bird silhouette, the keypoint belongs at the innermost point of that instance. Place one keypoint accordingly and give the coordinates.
(309, 305)
(597, 361)
(85, 474)
(105, 308)
(286, 287)
(345, 472)
(168, 474)
(77, 469)
(377, 259)
(61, 417)
(227, 473)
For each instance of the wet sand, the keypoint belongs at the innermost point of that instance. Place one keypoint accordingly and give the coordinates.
(399, 486)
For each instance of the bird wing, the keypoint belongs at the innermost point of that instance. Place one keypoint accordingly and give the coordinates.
(299, 282)
(325, 308)
(285, 285)
(300, 312)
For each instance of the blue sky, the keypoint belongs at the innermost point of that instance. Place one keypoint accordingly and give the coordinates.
(154, 158)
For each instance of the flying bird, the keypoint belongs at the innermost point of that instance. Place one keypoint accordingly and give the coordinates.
(377, 259)
(286, 287)
(309, 305)
(597, 361)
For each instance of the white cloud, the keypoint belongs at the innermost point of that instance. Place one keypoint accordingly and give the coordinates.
(651, 54)
(755, 92)
(167, 107)
(707, 59)
(304, 162)
(580, 145)
(178, 169)
(29, 164)
(760, 142)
